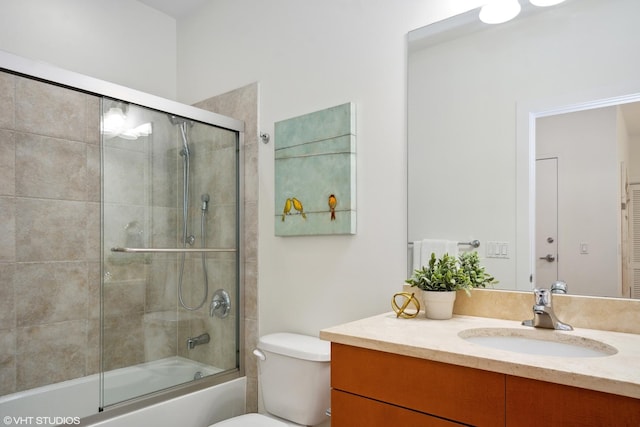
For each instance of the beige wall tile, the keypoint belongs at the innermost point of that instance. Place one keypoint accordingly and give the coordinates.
(93, 173)
(7, 163)
(7, 229)
(94, 290)
(50, 353)
(609, 314)
(50, 110)
(7, 100)
(50, 168)
(123, 298)
(123, 345)
(50, 292)
(160, 289)
(159, 338)
(93, 346)
(126, 170)
(92, 120)
(7, 296)
(50, 230)
(7, 361)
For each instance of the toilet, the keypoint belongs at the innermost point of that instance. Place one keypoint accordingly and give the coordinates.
(294, 376)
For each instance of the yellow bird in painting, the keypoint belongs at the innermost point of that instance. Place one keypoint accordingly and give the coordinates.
(297, 204)
(287, 208)
(332, 206)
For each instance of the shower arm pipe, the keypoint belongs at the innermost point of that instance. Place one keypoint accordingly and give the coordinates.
(177, 250)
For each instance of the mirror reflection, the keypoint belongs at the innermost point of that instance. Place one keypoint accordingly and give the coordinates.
(586, 171)
(496, 113)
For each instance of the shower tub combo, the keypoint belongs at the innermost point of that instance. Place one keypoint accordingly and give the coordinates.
(76, 399)
(147, 322)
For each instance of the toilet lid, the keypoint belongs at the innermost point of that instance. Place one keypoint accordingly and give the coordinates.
(249, 420)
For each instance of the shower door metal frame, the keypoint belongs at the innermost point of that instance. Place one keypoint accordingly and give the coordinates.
(68, 79)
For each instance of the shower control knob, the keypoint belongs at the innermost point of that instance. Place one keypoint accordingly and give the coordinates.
(220, 304)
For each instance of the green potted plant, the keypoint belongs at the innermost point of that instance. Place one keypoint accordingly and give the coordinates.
(470, 265)
(439, 281)
(442, 277)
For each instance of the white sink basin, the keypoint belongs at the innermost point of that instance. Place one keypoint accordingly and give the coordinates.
(538, 342)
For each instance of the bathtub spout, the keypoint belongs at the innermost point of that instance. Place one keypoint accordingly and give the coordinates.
(200, 339)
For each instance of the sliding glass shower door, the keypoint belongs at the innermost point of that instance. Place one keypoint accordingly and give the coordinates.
(170, 251)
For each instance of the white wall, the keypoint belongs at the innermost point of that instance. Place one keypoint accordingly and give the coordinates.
(309, 56)
(120, 41)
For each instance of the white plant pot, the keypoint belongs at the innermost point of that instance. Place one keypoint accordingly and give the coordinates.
(438, 305)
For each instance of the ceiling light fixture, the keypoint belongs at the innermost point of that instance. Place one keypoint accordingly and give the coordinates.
(499, 11)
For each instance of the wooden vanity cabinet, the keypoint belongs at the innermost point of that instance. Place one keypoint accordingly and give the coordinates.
(373, 388)
(351, 410)
(534, 403)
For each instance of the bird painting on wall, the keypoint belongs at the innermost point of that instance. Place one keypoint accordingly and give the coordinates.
(297, 205)
(287, 208)
(332, 206)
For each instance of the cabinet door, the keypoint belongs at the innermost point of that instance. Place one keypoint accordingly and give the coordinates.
(536, 403)
(466, 395)
(348, 410)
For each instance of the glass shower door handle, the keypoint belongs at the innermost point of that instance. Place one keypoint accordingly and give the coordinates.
(176, 250)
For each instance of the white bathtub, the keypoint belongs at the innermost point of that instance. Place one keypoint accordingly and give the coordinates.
(68, 401)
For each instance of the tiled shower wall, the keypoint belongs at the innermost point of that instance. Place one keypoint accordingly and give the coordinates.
(49, 233)
(50, 239)
(242, 104)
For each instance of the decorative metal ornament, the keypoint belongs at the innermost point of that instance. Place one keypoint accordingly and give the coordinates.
(407, 298)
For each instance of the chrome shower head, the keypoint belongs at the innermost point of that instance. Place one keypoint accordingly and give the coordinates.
(182, 124)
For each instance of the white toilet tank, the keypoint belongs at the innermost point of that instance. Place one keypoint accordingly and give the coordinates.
(295, 377)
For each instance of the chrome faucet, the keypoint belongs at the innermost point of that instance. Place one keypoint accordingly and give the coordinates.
(199, 340)
(543, 315)
(559, 287)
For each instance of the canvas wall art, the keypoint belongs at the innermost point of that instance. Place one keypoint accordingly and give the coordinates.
(315, 167)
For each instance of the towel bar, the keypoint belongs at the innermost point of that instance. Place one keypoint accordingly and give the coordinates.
(472, 243)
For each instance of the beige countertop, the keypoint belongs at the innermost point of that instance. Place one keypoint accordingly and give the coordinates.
(438, 340)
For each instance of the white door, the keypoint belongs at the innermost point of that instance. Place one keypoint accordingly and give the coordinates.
(546, 222)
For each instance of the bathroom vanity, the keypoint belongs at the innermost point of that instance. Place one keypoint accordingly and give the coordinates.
(425, 372)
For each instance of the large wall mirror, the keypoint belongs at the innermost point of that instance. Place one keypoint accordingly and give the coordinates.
(525, 137)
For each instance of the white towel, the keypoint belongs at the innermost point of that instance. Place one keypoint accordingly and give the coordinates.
(422, 250)
(417, 253)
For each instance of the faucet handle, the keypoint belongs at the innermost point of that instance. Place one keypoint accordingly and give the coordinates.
(542, 297)
(559, 287)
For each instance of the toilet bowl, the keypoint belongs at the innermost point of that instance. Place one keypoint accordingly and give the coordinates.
(294, 376)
